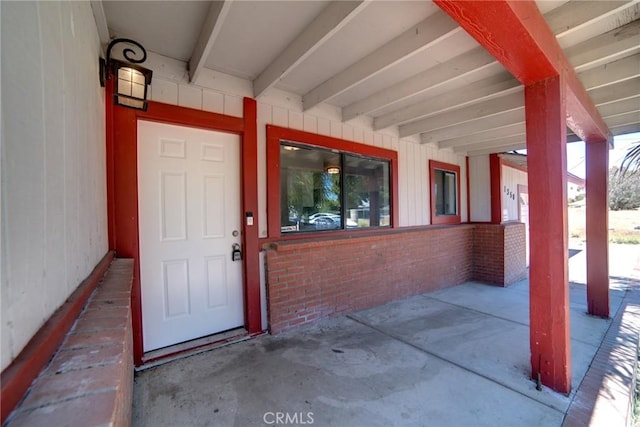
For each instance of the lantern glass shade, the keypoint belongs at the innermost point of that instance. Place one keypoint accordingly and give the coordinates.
(131, 85)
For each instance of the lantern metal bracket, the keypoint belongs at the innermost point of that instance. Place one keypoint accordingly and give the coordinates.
(128, 53)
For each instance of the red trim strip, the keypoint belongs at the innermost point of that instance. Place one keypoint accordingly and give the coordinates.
(111, 203)
(174, 114)
(208, 346)
(443, 219)
(495, 168)
(17, 377)
(253, 316)
(395, 203)
(329, 142)
(275, 134)
(273, 180)
(468, 190)
(125, 210)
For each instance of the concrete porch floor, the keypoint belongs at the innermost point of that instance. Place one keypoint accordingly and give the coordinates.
(455, 357)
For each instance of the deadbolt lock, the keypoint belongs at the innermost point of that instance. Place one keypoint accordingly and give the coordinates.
(236, 253)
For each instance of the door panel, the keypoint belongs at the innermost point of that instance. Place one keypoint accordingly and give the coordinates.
(189, 207)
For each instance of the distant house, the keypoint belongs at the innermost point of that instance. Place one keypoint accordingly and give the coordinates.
(575, 186)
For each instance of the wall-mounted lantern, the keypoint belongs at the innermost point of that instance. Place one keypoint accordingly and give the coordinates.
(132, 80)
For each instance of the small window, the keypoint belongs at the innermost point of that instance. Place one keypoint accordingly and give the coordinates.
(445, 193)
(323, 189)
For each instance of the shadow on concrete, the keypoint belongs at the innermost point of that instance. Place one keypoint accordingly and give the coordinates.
(455, 357)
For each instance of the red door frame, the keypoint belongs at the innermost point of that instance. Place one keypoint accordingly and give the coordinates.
(122, 192)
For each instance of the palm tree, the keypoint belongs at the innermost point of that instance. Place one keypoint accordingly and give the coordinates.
(631, 160)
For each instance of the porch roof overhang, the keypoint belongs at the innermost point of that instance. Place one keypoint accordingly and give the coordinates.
(407, 65)
(519, 161)
(516, 34)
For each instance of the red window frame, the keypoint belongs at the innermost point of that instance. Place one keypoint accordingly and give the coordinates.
(447, 167)
(275, 134)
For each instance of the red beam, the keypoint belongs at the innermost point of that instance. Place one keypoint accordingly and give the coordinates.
(516, 34)
(582, 117)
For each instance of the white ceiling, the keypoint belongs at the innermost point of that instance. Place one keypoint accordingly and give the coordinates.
(403, 63)
(236, 50)
(170, 28)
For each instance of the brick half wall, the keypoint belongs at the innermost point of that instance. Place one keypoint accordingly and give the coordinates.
(499, 253)
(309, 280)
(89, 380)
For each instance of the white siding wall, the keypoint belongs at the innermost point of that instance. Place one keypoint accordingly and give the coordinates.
(221, 93)
(510, 179)
(480, 188)
(54, 227)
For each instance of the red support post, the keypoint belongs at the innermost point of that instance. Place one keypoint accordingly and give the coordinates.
(545, 111)
(495, 169)
(597, 166)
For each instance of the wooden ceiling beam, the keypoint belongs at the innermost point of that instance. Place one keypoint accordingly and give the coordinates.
(517, 35)
(331, 20)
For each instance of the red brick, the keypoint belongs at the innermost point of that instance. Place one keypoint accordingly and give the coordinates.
(79, 340)
(100, 324)
(333, 277)
(90, 410)
(97, 303)
(70, 360)
(55, 388)
(121, 312)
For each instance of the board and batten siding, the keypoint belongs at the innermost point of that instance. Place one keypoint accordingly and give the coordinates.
(480, 188)
(221, 93)
(511, 178)
(54, 213)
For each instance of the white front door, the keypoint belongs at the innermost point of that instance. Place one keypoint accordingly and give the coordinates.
(189, 214)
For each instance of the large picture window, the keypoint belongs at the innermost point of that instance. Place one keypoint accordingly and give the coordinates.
(326, 184)
(445, 192)
(321, 189)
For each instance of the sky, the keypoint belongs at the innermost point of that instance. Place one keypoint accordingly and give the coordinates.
(575, 153)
